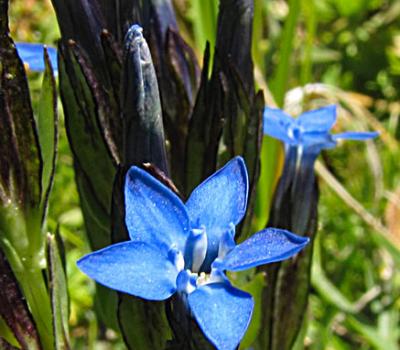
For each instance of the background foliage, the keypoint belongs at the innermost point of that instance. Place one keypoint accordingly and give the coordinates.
(353, 49)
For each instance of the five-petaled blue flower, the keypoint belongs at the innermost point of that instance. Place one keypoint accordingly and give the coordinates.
(32, 56)
(310, 130)
(186, 248)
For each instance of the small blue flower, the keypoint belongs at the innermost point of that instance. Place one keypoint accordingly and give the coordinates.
(32, 56)
(311, 130)
(186, 249)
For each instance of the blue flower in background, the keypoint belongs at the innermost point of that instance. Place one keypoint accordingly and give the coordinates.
(32, 56)
(304, 137)
(311, 130)
(186, 249)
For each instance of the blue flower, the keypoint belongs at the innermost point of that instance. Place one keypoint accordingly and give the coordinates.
(32, 56)
(311, 130)
(186, 249)
(304, 137)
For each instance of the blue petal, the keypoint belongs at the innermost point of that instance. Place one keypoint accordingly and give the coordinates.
(318, 120)
(136, 268)
(361, 136)
(277, 124)
(32, 55)
(218, 202)
(153, 213)
(222, 312)
(267, 246)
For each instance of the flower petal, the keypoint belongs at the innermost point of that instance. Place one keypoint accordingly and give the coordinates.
(267, 246)
(136, 268)
(277, 124)
(353, 135)
(32, 55)
(318, 120)
(153, 213)
(222, 312)
(219, 201)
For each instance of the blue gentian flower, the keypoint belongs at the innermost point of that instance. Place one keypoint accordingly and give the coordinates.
(311, 130)
(32, 56)
(186, 249)
(304, 137)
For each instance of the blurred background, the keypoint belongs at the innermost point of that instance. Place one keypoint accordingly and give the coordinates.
(307, 53)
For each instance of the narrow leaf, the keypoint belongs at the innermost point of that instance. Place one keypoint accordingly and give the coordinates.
(82, 21)
(47, 123)
(82, 124)
(58, 294)
(4, 345)
(6, 333)
(199, 133)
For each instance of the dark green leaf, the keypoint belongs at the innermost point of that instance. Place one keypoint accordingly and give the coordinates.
(113, 57)
(143, 323)
(285, 297)
(14, 310)
(187, 333)
(179, 81)
(20, 161)
(119, 17)
(235, 23)
(82, 21)
(199, 133)
(87, 142)
(97, 217)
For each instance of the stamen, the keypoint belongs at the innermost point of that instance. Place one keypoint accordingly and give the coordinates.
(186, 282)
(199, 247)
(299, 156)
(177, 259)
(227, 241)
(217, 274)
